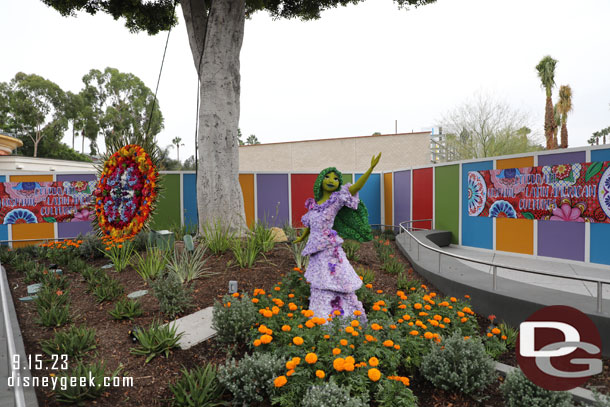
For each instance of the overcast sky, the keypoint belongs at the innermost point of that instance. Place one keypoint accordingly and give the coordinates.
(351, 73)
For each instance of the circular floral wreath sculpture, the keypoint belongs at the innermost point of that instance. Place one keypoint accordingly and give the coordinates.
(126, 193)
(335, 213)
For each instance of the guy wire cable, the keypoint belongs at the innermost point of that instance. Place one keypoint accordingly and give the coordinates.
(152, 109)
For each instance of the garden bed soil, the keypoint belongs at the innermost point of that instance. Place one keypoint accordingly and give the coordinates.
(151, 381)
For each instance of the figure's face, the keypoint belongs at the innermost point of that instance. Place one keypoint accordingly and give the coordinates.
(331, 182)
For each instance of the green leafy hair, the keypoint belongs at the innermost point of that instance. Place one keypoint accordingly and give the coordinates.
(349, 223)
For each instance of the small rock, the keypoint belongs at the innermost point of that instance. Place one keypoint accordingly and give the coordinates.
(137, 294)
(34, 288)
(278, 235)
(28, 298)
(108, 266)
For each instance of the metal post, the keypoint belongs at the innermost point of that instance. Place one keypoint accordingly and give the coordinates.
(600, 298)
(417, 251)
(439, 262)
(495, 274)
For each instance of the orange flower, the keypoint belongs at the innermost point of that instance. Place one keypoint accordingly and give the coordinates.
(489, 334)
(266, 339)
(369, 286)
(326, 336)
(257, 342)
(397, 347)
(374, 374)
(388, 343)
(290, 372)
(290, 365)
(311, 358)
(297, 340)
(355, 323)
(495, 331)
(336, 351)
(357, 313)
(277, 288)
(414, 333)
(320, 374)
(286, 328)
(417, 305)
(504, 337)
(310, 324)
(464, 319)
(59, 292)
(349, 329)
(373, 362)
(379, 291)
(376, 327)
(280, 381)
(338, 364)
(343, 342)
(428, 335)
(255, 300)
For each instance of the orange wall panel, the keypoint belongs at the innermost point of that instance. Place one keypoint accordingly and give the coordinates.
(387, 198)
(247, 188)
(31, 178)
(32, 231)
(515, 235)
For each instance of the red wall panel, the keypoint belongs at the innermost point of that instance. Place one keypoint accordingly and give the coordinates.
(302, 188)
(422, 197)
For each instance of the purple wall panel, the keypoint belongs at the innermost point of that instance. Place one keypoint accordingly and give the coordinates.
(72, 229)
(75, 177)
(564, 240)
(402, 196)
(271, 190)
(562, 158)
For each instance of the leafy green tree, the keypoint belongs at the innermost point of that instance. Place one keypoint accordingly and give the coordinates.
(486, 127)
(35, 109)
(73, 110)
(215, 31)
(252, 139)
(122, 106)
(546, 73)
(189, 164)
(564, 106)
(239, 136)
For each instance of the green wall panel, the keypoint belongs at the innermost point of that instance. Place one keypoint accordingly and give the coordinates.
(168, 204)
(446, 200)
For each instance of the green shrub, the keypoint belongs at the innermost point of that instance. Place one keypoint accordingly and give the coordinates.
(198, 387)
(518, 391)
(55, 315)
(54, 281)
(330, 395)
(108, 289)
(150, 266)
(142, 240)
(296, 249)
(75, 265)
(263, 237)
(393, 393)
(48, 296)
(251, 381)
(459, 365)
(126, 309)
(180, 230)
(35, 274)
(289, 231)
(91, 247)
(510, 333)
(245, 251)
(601, 400)
(72, 342)
(6, 255)
(79, 393)
(367, 275)
(156, 340)
(189, 265)
(404, 282)
(393, 266)
(217, 237)
(350, 247)
(233, 323)
(25, 265)
(174, 298)
(494, 346)
(120, 254)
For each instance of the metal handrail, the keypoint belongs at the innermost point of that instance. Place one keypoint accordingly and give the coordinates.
(599, 281)
(10, 341)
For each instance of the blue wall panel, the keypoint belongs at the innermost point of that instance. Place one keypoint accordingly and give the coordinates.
(371, 196)
(189, 197)
(477, 231)
(600, 232)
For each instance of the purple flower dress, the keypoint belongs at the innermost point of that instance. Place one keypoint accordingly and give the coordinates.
(332, 279)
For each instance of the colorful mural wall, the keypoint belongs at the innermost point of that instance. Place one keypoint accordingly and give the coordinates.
(438, 192)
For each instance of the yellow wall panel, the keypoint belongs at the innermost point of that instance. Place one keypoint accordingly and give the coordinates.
(247, 188)
(515, 235)
(387, 198)
(32, 231)
(31, 178)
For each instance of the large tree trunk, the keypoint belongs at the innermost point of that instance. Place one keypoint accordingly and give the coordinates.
(549, 125)
(219, 195)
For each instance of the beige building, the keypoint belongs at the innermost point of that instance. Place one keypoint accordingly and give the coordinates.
(349, 154)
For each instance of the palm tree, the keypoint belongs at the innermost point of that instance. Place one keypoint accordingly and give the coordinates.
(564, 106)
(546, 73)
(176, 141)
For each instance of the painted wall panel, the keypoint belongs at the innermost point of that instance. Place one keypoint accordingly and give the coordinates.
(302, 188)
(75, 177)
(347, 178)
(31, 230)
(600, 233)
(562, 158)
(564, 240)
(3, 228)
(272, 198)
(31, 178)
(422, 197)
(387, 198)
(72, 229)
(402, 196)
(447, 200)
(189, 200)
(515, 235)
(167, 212)
(247, 189)
(370, 194)
(477, 231)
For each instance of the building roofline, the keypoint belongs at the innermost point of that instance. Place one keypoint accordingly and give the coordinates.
(337, 138)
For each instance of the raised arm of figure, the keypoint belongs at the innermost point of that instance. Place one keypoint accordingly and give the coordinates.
(302, 237)
(357, 186)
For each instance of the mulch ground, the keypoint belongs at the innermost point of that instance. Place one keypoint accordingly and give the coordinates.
(151, 380)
